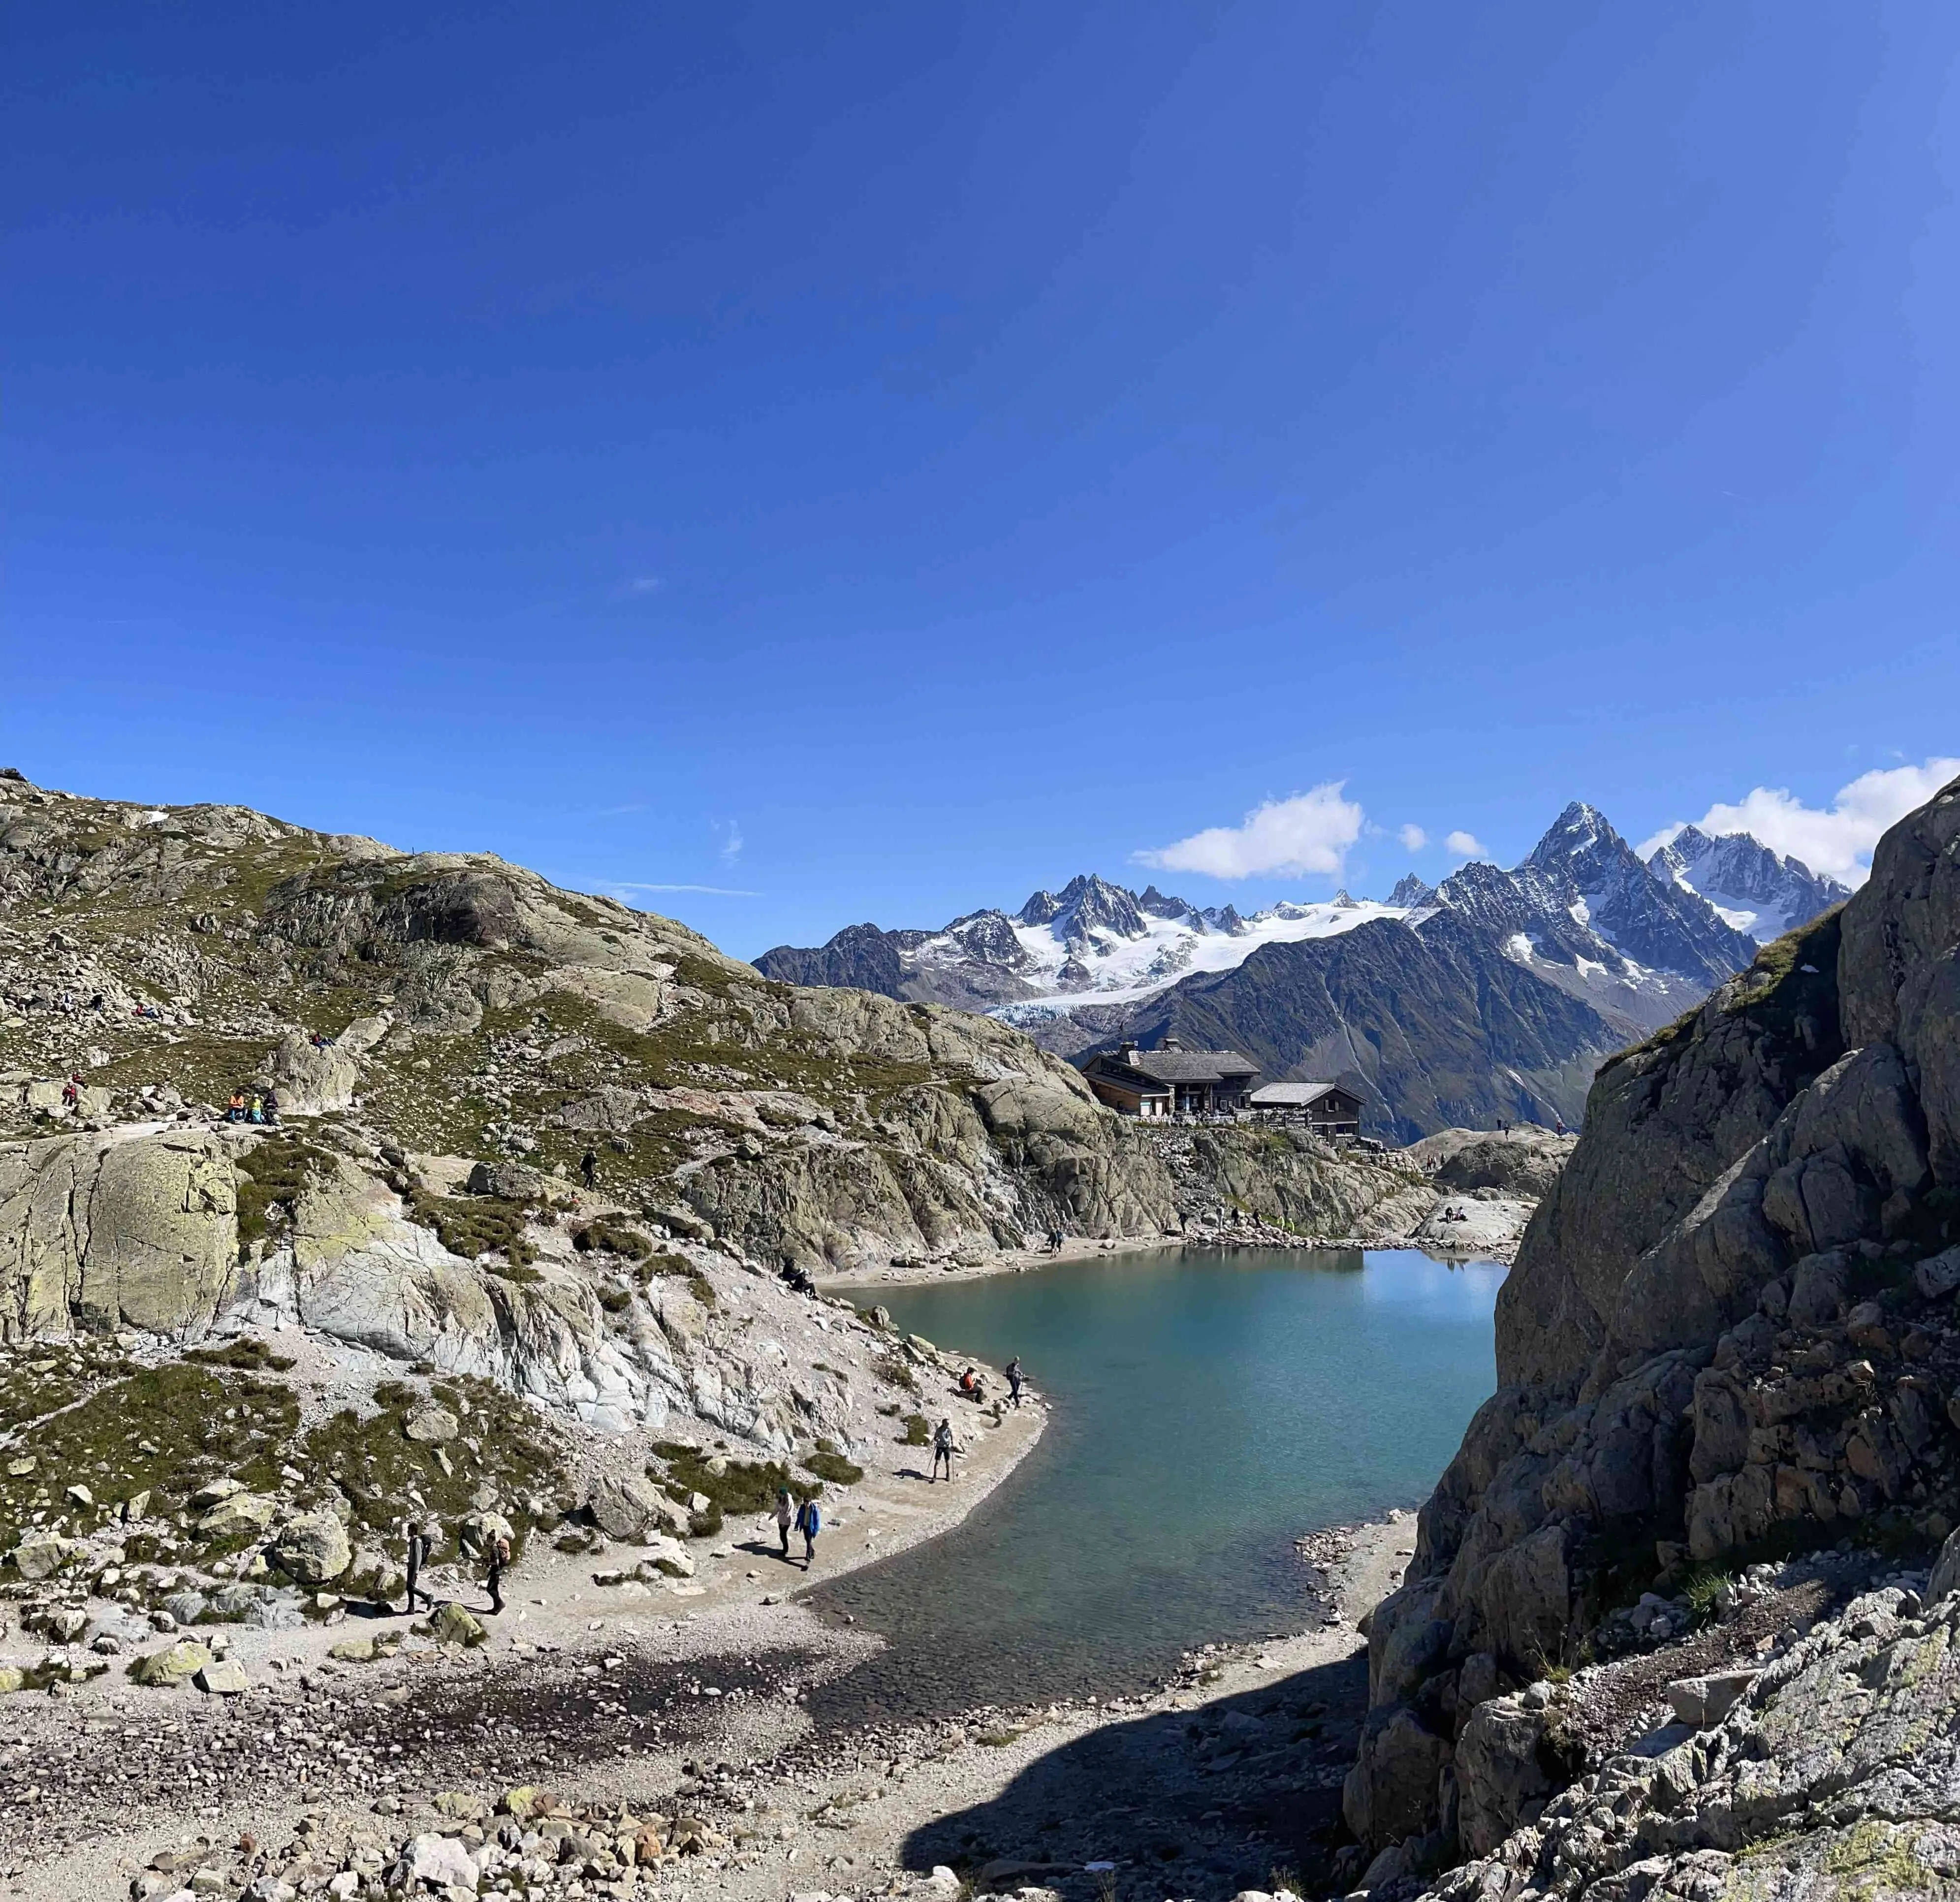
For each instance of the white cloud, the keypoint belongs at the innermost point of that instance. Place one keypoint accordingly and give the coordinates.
(1309, 832)
(1464, 845)
(1837, 840)
(620, 887)
(1413, 837)
(646, 584)
(729, 831)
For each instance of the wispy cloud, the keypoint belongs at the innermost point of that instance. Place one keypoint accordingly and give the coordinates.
(1413, 837)
(1464, 845)
(729, 831)
(618, 887)
(1837, 839)
(1309, 832)
(617, 812)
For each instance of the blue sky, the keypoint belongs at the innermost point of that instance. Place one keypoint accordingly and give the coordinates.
(875, 460)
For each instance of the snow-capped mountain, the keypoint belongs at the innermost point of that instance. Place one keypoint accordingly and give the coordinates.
(1754, 888)
(1638, 942)
(1092, 942)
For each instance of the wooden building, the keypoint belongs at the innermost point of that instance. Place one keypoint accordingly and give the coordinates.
(1325, 1108)
(1171, 1080)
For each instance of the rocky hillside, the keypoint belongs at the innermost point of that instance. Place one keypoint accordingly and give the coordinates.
(456, 1046)
(1730, 1335)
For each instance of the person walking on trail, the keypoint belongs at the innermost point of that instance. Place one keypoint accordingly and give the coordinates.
(1013, 1373)
(785, 1517)
(809, 1522)
(588, 1169)
(942, 1449)
(419, 1546)
(500, 1556)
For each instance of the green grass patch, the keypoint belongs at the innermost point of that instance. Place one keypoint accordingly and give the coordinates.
(247, 1354)
(165, 1431)
(272, 1176)
(388, 1477)
(917, 1433)
(742, 1485)
(612, 1238)
(827, 1463)
(473, 1224)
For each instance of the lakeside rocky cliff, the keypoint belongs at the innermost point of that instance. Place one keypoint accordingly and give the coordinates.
(1729, 1338)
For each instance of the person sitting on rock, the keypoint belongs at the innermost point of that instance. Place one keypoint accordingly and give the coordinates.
(256, 1114)
(234, 1110)
(271, 1106)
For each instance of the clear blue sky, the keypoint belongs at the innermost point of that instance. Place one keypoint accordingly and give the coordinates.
(945, 447)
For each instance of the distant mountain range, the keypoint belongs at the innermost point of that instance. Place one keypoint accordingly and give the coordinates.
(1496, 994)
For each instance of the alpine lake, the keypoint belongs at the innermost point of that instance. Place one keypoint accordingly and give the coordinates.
(1208, 1406)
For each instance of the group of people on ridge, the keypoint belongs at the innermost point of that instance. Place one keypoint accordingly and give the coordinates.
(261, 1106)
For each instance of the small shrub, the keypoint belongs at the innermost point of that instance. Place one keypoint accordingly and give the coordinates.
(895, 1372)
(251, 1355)
(473, 1224)
(742, 1487)
(1702, 1587)
(828, 1464)
(917, 1433)
(612, 1238)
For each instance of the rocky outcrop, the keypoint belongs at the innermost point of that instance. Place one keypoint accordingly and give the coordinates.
(1525, 1162)
(1833, 1774)
(111, 1231)
(1730, 1322)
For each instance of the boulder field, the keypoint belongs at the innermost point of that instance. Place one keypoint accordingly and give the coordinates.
(1729, 1338)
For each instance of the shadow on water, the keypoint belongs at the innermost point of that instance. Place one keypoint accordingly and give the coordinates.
(1207, 1408)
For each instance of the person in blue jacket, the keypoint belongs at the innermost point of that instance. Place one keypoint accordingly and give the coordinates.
(809, 1522)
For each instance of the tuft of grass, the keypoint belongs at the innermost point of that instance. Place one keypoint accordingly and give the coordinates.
(1703, 1585)
(612, 1238)
(271, 1176)
(473, 1224)
(829, 1463)
(896, 1372)
(917, 1432)
(247, 1352)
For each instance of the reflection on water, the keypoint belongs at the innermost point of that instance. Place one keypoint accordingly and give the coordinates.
(1207, 1408)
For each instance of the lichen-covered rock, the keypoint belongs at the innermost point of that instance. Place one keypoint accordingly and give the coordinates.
(174, 1664)
(631, 1507)
(312, 1548)
(1836, 1775)
(451, 1625)
(119, 1228)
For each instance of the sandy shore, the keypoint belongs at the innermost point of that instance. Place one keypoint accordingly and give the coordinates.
(1231, 1767)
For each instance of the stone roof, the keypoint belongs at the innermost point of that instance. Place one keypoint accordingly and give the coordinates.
(1187, 1066)
(1295, 1095)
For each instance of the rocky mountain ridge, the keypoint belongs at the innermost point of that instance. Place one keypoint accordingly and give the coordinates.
(1323, 991)
(1729, 1334)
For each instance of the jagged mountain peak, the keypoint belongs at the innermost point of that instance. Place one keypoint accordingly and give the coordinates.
(1754, 888)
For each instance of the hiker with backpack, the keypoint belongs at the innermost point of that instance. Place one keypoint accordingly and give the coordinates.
(785, 1517)
(809, 1522)
(942, 1449)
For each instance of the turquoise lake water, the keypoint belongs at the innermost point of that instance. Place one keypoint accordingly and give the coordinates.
(1208, 1406)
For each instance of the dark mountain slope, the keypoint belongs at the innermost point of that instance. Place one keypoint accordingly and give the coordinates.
(1435, 1030)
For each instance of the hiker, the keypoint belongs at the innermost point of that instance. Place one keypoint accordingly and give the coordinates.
(785, 1517)
(500, 1556)
(421, 1540)
(71, 1092)
(256, 1114)
(942, 1449)
(809, 1522)
(272, 1107)
(1014, 1371)
(588, 1169)
(234, 1110)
